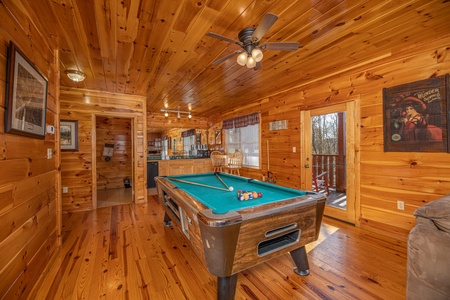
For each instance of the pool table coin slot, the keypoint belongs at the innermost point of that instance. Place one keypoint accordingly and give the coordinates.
(280, 242)
(279, 230)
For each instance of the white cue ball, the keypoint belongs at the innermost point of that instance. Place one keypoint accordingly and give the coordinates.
(231, 189)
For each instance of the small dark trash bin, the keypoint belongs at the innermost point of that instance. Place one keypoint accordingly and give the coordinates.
(127, 182)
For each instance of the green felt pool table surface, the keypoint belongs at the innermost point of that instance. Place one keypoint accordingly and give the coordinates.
(222, 201)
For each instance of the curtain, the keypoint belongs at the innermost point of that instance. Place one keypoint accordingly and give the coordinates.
(187, 133)
(228, 124)
(241, 121)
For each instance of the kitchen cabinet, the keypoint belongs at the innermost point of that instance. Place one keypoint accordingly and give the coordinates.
(184, 166)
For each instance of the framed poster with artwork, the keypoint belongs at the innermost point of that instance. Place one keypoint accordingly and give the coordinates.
(416, 116)
(26, 96)
(69, 135)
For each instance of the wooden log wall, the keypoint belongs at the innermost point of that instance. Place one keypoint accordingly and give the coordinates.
(385, 177)
(159, 121)
(175, 134)
(172, 126)
(30, 215)
(153, 136)
(117, 132)
(77, 168)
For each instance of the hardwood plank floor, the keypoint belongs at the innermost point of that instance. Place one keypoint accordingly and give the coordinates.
(125, 252)
(118, 196)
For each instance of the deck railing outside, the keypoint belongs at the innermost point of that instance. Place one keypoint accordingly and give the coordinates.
(328, 163)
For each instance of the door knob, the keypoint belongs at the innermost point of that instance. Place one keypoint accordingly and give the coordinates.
(306, 166)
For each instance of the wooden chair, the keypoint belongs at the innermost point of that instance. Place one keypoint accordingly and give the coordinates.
(320, 182)
(235, 162)
(218, 161)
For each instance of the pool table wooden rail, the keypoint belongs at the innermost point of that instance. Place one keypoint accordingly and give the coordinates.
(190, 208)
(293, 225)
(239, 239)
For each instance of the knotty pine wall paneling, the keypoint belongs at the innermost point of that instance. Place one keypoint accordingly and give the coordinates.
(77, 168)
(117, 132)
(172, 126)
(162, 123)
(29, 206)
(385, 177)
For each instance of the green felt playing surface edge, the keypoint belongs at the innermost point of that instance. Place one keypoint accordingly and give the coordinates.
(222, 201)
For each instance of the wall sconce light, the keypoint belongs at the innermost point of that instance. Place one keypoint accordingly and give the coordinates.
(75, 75)
(179, 112)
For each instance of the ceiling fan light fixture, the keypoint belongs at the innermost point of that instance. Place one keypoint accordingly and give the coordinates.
(75, 75)
(242, 59)
(251, 62)
(257, 54)
(249, 41)
(166, 114)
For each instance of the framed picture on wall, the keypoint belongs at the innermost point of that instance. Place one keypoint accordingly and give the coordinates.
(69, 135)
(218, 137)
(416, 116)
(26, 96)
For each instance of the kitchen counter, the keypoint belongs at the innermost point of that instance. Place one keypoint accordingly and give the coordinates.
(150, 158)
(185, 165)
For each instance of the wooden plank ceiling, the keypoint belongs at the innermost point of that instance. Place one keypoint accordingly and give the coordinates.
(158, 48)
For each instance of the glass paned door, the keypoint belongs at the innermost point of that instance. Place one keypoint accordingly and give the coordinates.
(328, 157)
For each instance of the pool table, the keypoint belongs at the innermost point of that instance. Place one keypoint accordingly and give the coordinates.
(230, 235)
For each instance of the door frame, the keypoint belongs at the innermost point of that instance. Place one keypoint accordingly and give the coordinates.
(351, 109)
(134, 161)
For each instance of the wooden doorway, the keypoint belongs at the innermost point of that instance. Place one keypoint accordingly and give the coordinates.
(339, 165)
(113, 152)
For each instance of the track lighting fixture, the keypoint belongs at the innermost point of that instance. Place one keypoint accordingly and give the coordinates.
(179, 112)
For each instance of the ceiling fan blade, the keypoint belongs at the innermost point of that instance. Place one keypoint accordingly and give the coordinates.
(258, 66)
(227, 57)
(281, 46)
(264, 26)
(223, 38)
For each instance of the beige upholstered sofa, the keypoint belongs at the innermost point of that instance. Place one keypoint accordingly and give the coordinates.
(428, 263)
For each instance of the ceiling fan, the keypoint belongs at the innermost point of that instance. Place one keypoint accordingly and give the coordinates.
(249, 38)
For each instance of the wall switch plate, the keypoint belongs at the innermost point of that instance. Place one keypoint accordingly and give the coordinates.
(65, 189)
(50, 129)
(400, 205)
(49, 153)
(294, 149)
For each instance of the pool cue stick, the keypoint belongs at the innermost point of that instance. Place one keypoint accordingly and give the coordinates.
(268, 167)
(199, 184)
(217, 175)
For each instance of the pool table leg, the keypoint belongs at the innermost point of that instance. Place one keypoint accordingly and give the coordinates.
(167, 220)
(301, 261)
(226, 287)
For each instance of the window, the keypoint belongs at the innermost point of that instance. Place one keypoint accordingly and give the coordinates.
(245, 139)
(188, 143)
(165, 147)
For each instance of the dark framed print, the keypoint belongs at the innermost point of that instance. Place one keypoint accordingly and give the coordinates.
(218, 137)
(416, 116)
(26, 96)
(68, 131)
